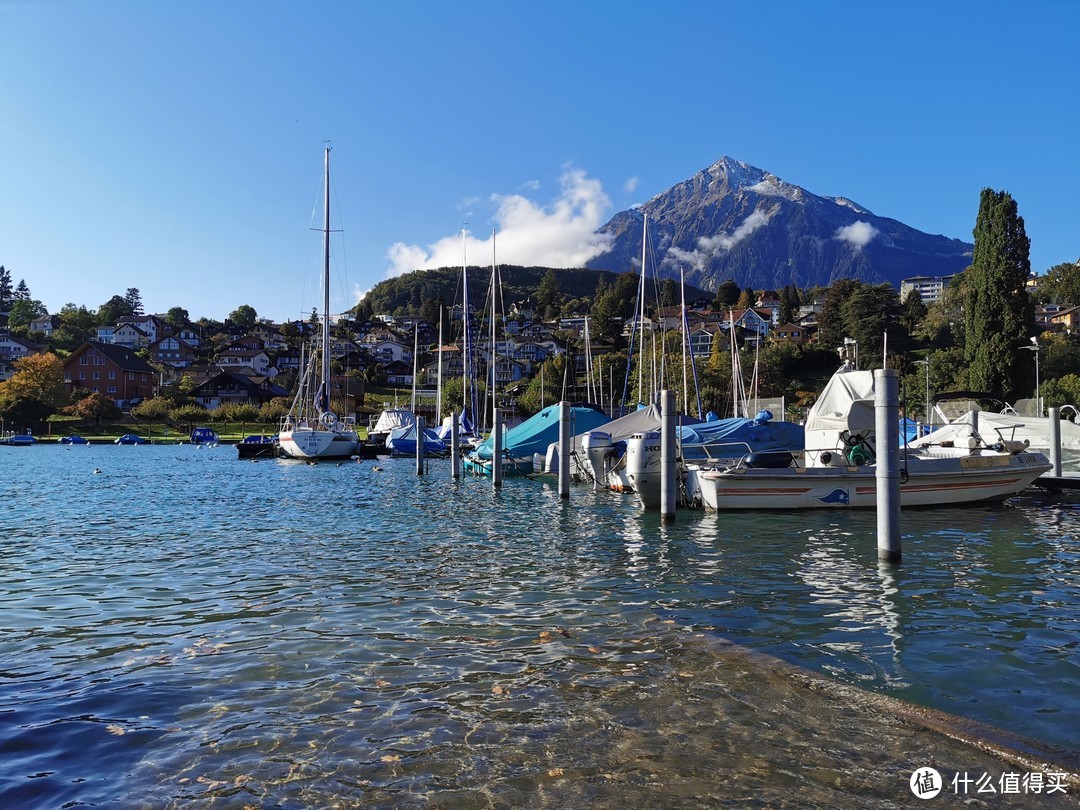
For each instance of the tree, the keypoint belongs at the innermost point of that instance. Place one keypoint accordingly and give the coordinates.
(1058, 285)
(999, 316)
(188, 415)
(22, 292)
(35, 390)
(746, 299)
(5, 289)
(155, 409)
(243, 317)
(177, 316)
(134, 301)
(669, 293)
(23, 311)
(914, 310)
(727, 294)
(831, 326)
(548, 294)
(789, 303)
(95, 406)
(113, 310)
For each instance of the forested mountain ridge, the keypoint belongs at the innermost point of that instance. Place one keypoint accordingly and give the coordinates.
(413, 293)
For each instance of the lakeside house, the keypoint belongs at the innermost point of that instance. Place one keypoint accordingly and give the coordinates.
(115, 371)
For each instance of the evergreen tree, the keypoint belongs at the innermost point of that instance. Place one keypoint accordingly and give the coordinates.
(789, 304)
(726, 295)
(669, 293)
(113, 310)
(548, 295)
(5, 289)
(746, 299)
(914, 310)
(22, 292)
(998, 314)
(134, 301)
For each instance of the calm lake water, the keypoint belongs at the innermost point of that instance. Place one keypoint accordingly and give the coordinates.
(180, 628)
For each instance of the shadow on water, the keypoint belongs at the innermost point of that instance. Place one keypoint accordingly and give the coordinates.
(184, 629)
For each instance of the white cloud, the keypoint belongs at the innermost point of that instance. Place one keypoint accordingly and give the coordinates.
(709, 246)
(858, 234)
(630, 186)
(561, 234)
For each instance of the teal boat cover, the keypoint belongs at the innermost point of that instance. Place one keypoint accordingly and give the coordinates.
(537, 432)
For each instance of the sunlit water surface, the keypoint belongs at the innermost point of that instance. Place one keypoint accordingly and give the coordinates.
(183, 628)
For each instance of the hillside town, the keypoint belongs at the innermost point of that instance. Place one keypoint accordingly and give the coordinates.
(117, 362)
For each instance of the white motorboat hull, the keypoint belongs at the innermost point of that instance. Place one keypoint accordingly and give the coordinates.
(927, 481)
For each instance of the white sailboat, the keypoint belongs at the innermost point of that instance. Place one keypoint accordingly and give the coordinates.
(311, 430)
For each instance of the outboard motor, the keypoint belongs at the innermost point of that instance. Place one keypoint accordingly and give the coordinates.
(643, 467)
(599, 454)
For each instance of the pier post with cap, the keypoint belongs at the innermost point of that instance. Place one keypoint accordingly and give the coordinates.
(887, 466)
(668, 485)
(564, 449)
(497, 449)
(420, 425)
(455, 454)
(1055, 440)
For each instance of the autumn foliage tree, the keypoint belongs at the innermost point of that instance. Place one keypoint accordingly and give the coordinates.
(95, 407)
(35, 391)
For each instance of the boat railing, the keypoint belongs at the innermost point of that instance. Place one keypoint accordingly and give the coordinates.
(735, 450)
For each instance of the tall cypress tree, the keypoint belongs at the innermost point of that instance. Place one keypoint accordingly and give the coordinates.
(998, 313)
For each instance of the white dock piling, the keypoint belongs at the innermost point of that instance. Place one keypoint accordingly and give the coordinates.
(564, 449)
(887, 467)
(455, 454)
(668, 486)
(420, 425)
(497, 449)
(1055, 441)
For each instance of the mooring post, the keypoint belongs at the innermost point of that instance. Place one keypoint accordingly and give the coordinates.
(668, 489)
(455, 455)
(887, 466)
(497, 449)
(420, 445)
(564, 449)
(1055, 440)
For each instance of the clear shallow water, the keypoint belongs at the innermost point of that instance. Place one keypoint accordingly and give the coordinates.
(180, 628)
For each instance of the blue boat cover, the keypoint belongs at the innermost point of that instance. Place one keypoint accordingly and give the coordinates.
(403, 440)
(738, 436)
(538, 431)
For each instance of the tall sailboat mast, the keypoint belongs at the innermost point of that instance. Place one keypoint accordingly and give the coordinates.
(641, 305)
(466, 342)
(326, 281)
(494, 352)
(438, 386)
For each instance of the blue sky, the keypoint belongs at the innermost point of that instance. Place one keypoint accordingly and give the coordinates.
(177, 147)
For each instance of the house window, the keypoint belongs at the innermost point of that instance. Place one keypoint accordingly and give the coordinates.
(82, 375)
(97, 374)
(84, 361)
(96, 390)
(131, 375)
(144, 378)
(111, 389)
(112, 375)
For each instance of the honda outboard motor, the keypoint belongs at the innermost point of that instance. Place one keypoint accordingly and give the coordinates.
(599, 453)
(643, 467)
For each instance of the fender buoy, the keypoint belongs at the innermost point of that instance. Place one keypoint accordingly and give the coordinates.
(329, 418)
